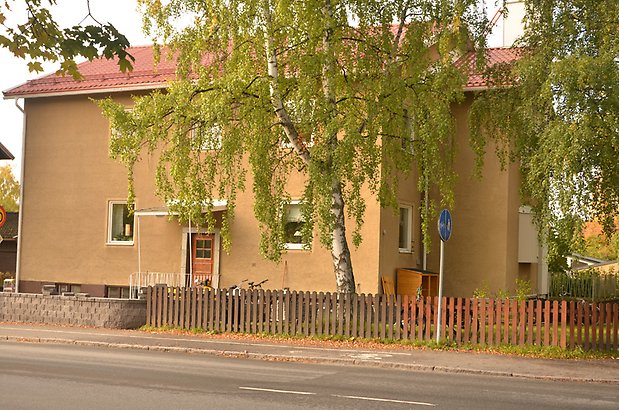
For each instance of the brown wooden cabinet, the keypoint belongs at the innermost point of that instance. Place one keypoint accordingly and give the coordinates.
(409, 280)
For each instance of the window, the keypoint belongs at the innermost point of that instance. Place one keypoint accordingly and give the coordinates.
(405, 237)
(120, 223)
(204, 248)
(118, 292)
(68, 288)
(293, 225)
(206, 138)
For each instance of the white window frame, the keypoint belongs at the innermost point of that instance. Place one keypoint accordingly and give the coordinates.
(409, 233)
(110, 211)
(294, 246)
(207, 145)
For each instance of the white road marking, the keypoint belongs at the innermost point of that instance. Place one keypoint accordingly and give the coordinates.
(305, 393)
(370, 356)
(419, 403)
(215, 341)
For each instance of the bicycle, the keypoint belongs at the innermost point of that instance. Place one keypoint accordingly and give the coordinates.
(253, 285)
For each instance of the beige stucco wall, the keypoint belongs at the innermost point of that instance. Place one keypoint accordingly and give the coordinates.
(484, 242)
(69, 180)
(390, 256)
(298, 269)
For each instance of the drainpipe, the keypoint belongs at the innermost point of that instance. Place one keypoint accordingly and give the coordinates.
(21, 195)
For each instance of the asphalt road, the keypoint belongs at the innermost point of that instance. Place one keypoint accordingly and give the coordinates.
(44, 376)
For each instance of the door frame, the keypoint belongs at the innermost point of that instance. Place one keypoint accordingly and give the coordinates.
(185, 238)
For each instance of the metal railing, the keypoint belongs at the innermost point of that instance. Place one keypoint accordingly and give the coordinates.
(139, 280)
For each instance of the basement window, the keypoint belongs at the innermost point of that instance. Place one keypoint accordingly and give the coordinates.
(120, 223)
(117, 292)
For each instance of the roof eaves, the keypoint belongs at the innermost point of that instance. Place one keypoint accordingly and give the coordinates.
(140, 87)
(5, 153)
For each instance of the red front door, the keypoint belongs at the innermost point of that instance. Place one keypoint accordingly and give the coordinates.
(202, 253)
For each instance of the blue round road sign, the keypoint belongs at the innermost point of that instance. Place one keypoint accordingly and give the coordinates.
(444, 225)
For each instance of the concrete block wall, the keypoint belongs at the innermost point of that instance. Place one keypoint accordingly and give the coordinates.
(71, 310)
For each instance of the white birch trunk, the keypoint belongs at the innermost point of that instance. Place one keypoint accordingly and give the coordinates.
(276, 99)
(342, 264)
(340, 252)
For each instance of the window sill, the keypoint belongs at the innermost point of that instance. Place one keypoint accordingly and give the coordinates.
(127, 243)
(295, 247)
(407, 251)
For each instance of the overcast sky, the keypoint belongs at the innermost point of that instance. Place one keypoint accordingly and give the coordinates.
(121, 13)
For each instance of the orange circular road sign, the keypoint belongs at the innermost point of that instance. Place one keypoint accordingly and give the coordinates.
(2, 216)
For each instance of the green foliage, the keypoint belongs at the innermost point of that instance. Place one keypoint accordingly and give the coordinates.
(482, 292)
(39, 38)
(558, 113)
(9, 189)
(502, 294)
(586, 284)
(331, 91)
(564, 237)
(523, 289)
(602, 247)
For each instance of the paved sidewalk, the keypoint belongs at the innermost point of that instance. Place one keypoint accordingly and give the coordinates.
(597, 371)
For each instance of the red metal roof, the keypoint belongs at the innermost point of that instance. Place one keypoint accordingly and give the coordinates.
(101, 75)
(494, 56)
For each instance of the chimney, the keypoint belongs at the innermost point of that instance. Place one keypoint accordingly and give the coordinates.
(513, 25)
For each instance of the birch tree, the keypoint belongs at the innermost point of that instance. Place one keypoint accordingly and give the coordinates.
(351, 94)
(556, 111)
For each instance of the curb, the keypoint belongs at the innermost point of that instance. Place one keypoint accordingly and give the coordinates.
(307, 359)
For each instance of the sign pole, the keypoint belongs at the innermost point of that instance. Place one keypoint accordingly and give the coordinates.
(440, 292)
(444, 231)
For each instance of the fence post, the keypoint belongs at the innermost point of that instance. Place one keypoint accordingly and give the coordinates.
(313, 313)
(491, 321)
(389, 321)
(547, 323)
(467, 320)
(615, 325)
(149, 306)
(609, 321)
(563, 324)
(514, 321)
(587, 319)
(362, 302)
(522, 321)
(355, 314)
(530, 329)
(459, 321)
(475, 321)
(421, 319)
(571, 318)
(498, 320)
(594, 325)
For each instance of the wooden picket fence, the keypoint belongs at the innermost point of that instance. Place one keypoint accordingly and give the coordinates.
(592, 326)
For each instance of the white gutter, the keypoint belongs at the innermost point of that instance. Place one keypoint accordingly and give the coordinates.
(21, 197)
